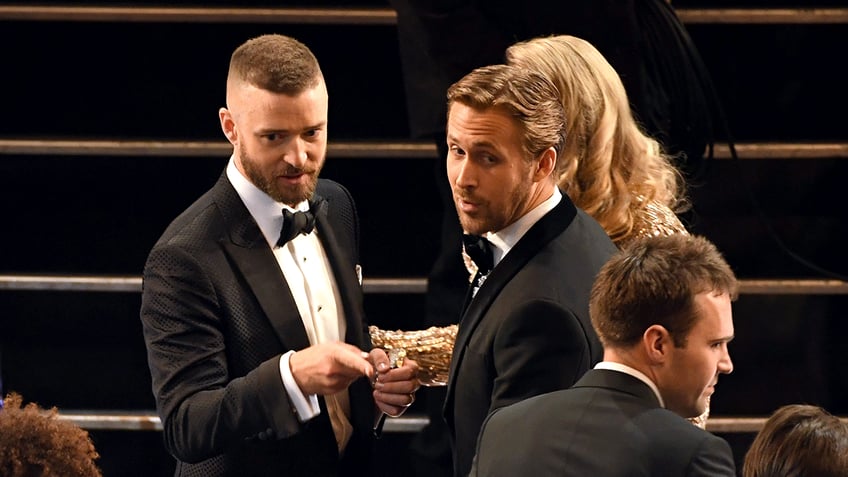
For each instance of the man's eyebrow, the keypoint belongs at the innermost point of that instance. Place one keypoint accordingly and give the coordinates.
(319, 125)
(477, 144)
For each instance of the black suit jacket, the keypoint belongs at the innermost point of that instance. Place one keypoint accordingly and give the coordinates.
(609, 424)
(217, 314)
(527, 331)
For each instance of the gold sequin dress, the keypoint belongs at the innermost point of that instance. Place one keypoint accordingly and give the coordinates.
(653, 220)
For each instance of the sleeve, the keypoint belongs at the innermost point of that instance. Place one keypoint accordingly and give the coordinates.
(306, 406)
(540, 347)
(203, 408)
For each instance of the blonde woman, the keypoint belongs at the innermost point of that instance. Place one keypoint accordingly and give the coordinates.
(612, 170)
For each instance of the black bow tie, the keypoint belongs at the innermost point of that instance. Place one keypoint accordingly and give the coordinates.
(299, 222)
(480, 250)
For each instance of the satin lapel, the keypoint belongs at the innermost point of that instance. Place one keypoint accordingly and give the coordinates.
(254, 259)
(540, 234)
(344, 271)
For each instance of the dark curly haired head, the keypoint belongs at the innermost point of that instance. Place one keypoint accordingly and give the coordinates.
(34, 442)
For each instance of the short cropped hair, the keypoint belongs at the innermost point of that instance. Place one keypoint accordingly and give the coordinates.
(33, 441)
(799, 440)
(654, 281)
(275, 63)
(523, 94)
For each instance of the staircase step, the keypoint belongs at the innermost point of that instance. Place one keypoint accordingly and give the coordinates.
(369, 16)
(97, 420)
(359, 149)
(149, 421)
(102, 283)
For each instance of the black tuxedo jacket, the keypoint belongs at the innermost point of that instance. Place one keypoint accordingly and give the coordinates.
(527, 331)
(217, 314)
(609, 424)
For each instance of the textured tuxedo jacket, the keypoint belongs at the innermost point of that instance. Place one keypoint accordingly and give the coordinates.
(609, 424)
(217, 314)
(527, 331)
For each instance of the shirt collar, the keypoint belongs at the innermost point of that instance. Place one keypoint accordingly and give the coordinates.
(267, 212)
(503, 240)
(623, 368)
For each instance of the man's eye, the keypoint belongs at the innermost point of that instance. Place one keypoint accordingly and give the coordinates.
(456, 150)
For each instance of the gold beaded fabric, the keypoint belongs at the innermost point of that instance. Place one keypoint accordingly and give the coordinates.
(653, 220)
(430, 348)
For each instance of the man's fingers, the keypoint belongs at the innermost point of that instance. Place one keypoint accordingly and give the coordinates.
(408, 372)
(393, 404)
(380, 360)
(353, 360)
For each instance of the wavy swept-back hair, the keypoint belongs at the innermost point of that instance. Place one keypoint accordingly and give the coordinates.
(527, 96)
(609, 166)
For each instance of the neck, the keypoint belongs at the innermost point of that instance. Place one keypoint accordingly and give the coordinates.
(631, 358)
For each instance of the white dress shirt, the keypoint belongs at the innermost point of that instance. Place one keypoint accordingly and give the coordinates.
(306, 268)
(503, 240)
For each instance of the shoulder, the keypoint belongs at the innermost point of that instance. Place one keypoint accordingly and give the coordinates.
(199, 221)
(341, 212)
(334, 193)
(700, 452)
(584, 233)
(653, 219)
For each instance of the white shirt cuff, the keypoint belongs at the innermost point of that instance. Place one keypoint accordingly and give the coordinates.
(306, 406)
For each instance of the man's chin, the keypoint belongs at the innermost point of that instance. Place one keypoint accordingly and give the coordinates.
(473, 230)
(471, 226)
(293, 197)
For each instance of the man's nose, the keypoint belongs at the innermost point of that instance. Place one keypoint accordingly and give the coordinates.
(725, 365)
(297, 154)
(465, 176)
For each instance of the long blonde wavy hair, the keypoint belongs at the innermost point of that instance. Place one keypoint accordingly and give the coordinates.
(609, 167)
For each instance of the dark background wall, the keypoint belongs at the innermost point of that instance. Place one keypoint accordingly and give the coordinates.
(100, 215)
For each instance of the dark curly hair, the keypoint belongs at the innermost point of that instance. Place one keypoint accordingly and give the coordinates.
(34, 442)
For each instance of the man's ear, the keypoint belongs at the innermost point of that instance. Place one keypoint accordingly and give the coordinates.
(228, 125)
(546, 165)
(656, 341)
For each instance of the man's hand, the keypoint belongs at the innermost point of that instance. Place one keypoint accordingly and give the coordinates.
(394, 388)
(328, 368)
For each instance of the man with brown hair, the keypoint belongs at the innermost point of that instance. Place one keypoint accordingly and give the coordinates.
(252, 303)
(662, 310)
(525, 329)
